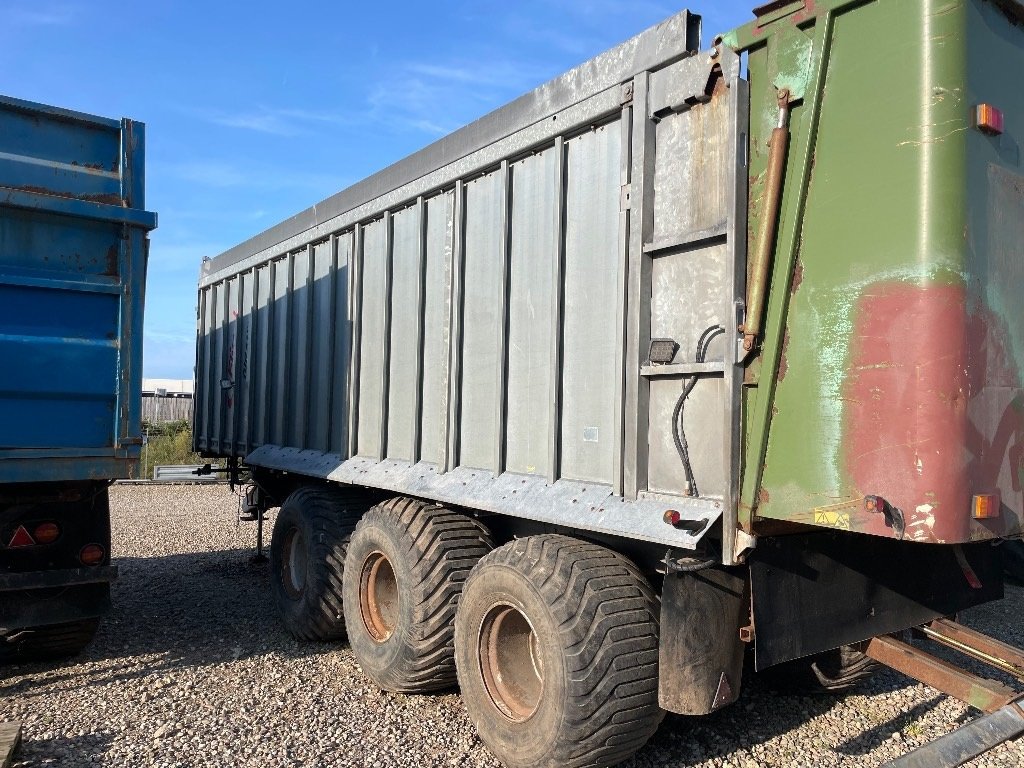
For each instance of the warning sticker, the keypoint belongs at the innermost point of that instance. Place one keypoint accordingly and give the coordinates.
(835, 515)
(832, 519)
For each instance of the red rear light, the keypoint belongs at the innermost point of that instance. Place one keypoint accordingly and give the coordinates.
(46, 533)
(91, 554)
(21, 538)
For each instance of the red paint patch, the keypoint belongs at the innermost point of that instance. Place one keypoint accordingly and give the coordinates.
(915, 421)
(907, 406)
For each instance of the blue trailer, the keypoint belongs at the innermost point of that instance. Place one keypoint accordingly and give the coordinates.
(73, 250)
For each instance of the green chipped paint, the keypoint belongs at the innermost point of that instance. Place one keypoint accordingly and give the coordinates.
(887, 182)
(789, 58)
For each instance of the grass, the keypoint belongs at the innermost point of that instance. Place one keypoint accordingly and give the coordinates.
(167, 443)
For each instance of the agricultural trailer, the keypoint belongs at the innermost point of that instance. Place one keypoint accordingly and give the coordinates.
(689, 356)
(73, 248)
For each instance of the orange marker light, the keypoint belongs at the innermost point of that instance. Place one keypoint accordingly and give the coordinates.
(985, 506)
(988, 119)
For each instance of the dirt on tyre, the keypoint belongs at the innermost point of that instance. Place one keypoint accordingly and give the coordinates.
(405, 568)
(307, 560)
(556, 645)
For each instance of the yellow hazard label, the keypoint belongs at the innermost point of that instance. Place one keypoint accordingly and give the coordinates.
(835, 515)
(839, 520)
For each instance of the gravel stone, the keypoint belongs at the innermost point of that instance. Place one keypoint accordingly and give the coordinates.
(192, 668)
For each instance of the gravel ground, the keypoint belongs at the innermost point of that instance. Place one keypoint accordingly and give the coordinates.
(192, 668)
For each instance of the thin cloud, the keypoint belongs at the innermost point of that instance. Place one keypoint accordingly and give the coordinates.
(47, 17)
(220, 175)
(435, 98)
(276, 121)
(211, 174)
(208, 214)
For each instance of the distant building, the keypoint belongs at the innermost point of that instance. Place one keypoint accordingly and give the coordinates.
(167, 400)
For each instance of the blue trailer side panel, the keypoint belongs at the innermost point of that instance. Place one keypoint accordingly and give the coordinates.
(72, 277)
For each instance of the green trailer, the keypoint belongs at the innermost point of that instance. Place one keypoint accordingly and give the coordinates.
(690, 355)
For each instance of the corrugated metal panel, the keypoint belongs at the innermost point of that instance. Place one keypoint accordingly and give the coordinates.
(373, 260)
(281, 355)
(440, 223)
(592, 264)
(534, 250)
(481, 315)
(405, 292)
(72, 278)
(493, 331)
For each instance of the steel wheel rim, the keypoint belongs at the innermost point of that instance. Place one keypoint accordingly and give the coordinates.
(378, 596)
(294, 563)
(510, 662)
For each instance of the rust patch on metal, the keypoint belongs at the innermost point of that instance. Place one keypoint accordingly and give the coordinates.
(801, 12)
(783, 361)
(798, 278)
(112, 261)
(106, 199)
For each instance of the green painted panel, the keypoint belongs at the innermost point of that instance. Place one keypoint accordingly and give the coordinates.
(892, 352)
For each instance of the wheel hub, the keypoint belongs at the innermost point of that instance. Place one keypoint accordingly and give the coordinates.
(294, 563)
(510, 660)
(378, 596)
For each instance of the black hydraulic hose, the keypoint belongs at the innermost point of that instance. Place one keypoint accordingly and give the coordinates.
(678, 432)
(696, 565)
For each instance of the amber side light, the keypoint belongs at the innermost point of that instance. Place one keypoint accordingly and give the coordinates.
(985, 506)
(988, 119)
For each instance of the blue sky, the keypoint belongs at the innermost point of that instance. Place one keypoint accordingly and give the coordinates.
(257, 110)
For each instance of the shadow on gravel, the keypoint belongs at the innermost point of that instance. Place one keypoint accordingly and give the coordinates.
(865, 741)
(199, 609)
(761, 714)
(193, 609)
(57, 750)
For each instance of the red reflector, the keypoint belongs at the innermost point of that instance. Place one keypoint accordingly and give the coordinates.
(91, 554)
(988, 119)
(46, 533)
(21, 538)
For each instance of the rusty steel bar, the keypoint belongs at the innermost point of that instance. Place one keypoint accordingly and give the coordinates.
(982, 647)
(758, 285)
(981, 693)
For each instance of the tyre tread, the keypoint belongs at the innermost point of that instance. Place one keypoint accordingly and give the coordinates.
(443, 547)
(607, 618)
(333, 515)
